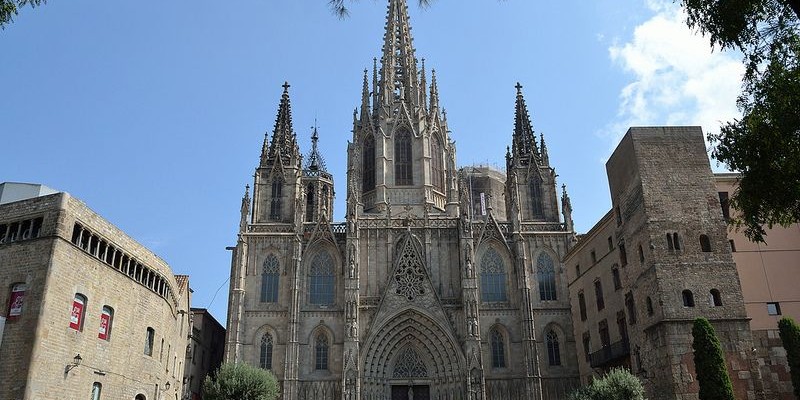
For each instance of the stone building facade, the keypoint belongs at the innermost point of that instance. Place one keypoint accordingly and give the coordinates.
(414, 295)
(87, 311)
(204, 353)
(658, 260)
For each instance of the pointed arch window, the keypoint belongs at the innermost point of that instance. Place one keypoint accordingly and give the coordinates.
(321, 352)
(320, 279)
(493, 277)
(368, 163)
(277, 199)
(553, 348)
(537, 210)
(546, 275)
(403, 166)
(409, 365)
(498, 349)
(265, 361)
(310, 203)
(437, 165)
(269, 279)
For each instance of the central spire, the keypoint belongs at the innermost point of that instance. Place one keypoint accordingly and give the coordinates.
(399, 79)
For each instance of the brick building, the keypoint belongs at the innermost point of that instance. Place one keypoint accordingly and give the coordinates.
(87, 311)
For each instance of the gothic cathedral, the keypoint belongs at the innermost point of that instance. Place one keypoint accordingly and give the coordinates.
(442, 283)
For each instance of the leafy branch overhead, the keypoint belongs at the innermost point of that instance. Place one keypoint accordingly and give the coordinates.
(764, 145)
(339, 7)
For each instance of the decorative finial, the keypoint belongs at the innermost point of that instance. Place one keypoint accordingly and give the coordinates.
(286, 86)
(519, 88)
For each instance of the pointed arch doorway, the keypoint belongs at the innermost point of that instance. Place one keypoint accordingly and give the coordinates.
(410, 357)
(410, 376)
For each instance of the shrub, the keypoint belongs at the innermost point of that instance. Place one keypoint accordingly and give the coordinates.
(617, 384)
(709, 363)
(240, 382)
(790, 336)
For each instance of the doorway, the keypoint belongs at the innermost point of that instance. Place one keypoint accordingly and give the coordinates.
(411, 392)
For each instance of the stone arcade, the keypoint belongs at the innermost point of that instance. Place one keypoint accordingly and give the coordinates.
(440, 284)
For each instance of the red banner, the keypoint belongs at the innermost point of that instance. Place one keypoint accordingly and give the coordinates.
(76, 315)
(17, 297)
(105, 324)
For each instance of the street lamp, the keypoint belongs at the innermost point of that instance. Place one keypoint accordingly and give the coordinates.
(75, 362)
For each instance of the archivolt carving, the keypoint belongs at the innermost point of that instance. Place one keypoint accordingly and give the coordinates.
(412, 329)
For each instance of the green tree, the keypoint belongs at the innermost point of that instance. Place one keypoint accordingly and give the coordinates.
(709, 363)
(790, 336)
(617, 384)
(10, 8)
(339, 7)
(240, 382)
(764, 145)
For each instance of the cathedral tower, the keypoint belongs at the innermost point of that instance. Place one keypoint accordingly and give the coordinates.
(401, 153)
(411, 296)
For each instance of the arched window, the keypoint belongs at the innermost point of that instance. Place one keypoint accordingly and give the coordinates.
(148, 342)
(321, 352)
(715, 298)
(537, 211)
(277, 199)
(269, 280)
(320, 279)
(403, 168)
(106, 320)
(553, 348)
(140, 397)
(97, 387)
(78, 313)
(546, 274)
(310, 203)
(437, 167)
(705, 244)
(368, 163)
(266, 351)
(688, 298)
(493, 277)
(498, 349)
(649, 304)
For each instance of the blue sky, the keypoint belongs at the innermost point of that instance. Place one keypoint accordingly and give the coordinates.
(153, 113)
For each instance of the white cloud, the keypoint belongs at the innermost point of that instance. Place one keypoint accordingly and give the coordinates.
(677, 79)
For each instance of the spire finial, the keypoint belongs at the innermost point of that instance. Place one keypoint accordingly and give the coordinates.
(524, 142)
(284, 140)
(399, 66)
(434, 93)
(315, 160)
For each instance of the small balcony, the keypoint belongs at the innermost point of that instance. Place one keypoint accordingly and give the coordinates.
(609, 354)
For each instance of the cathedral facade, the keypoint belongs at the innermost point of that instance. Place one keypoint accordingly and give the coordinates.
(442, 283)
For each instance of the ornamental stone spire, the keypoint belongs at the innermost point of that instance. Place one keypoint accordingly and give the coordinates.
(284, 140)
(399, 80)
(524, 142)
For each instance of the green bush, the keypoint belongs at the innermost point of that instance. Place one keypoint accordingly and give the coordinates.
(617, 384)
(790, 336)
(240, 382)
(709, 363)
